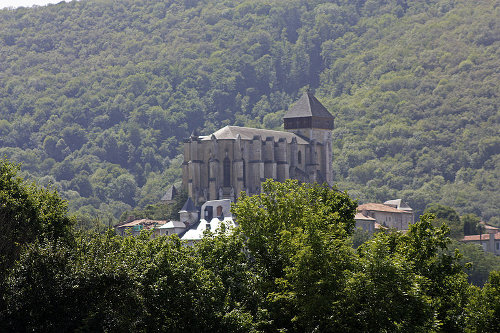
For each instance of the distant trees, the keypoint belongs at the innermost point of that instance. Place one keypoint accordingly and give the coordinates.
(411, 93)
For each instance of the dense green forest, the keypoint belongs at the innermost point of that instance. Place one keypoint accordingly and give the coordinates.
(288, 267)
(96, 96)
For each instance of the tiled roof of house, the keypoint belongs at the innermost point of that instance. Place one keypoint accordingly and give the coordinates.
(381, 208)
(482, 237)
(360, 216)
(308, 106)
(247, 133)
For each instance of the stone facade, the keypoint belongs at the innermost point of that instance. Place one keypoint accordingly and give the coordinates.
(390, 215)
(235, 159)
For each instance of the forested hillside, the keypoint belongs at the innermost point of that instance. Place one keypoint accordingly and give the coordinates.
(96, 96)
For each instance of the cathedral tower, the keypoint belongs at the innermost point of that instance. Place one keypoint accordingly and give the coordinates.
(309, 119)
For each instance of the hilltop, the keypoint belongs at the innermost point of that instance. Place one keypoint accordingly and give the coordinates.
(96, 96)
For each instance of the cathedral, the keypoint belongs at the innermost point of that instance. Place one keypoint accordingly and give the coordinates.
(235, 159)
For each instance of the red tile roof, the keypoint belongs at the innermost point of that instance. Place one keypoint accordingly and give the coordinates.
(360, 216)
(483, 237)
(381, 208)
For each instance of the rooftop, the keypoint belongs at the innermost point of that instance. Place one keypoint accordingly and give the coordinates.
(248, 133)
(360, 216)
(188, 206)
(173, 224)
(482, 237)
(381, 208)
(169, 194)
(308, 106)
(146, 223)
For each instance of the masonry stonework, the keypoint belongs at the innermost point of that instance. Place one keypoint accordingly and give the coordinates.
(235, 159)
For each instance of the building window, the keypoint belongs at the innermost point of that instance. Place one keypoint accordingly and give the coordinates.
(227, 172)
(244, 174)
(299, 157)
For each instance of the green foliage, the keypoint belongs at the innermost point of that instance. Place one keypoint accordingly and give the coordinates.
(88, 86)
(447, 215)
(478, 264)
(288, 266)
(27, 213)
(485, 306)
(159, 211)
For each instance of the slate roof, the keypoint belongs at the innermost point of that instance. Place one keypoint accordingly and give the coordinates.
(308, 106)
(247, 133)
(188, 206)
(170, 194)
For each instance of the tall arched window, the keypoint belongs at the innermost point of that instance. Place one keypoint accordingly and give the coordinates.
(299, 157)
(244, 174)
(227, 172)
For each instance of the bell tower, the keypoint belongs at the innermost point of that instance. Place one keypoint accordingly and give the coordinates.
(309, 119)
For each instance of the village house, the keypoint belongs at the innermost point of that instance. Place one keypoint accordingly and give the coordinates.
(392, 214)
(489, 240)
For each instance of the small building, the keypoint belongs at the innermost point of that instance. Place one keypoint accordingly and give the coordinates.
(488, 228)
(366, 223)
(172, 227)
(490, 242)
(391, 214)
(214, 213)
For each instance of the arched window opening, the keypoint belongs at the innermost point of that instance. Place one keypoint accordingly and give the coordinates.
(244, 174)
(299, 157)
(227, 172)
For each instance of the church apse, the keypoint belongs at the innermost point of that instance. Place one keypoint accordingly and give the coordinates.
(235, 159)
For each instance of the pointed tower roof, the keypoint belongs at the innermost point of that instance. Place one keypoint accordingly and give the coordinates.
(308, 106)
(170, 194)
(308, 113)
(188, 206)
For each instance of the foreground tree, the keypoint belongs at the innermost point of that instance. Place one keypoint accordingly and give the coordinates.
(484, 308)
(27, 212)
(299, 239)
(288, 266)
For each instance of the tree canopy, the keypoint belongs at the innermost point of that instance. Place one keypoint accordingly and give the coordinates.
(288, 265)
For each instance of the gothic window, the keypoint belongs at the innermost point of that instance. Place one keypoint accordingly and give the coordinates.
(227, 172)
(299, 157)
(244, 174)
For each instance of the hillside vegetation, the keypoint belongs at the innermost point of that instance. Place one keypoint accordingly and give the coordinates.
(96, 96)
